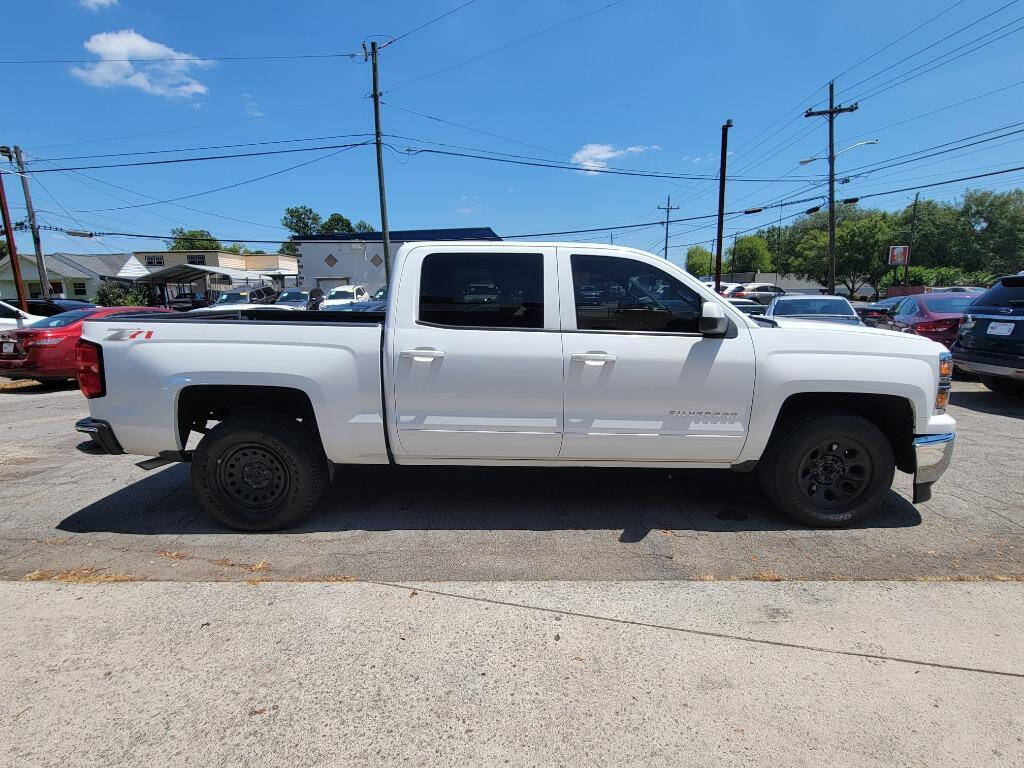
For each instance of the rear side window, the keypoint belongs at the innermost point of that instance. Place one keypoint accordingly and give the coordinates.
(1008, 292)
(485, 290)
(617, 294)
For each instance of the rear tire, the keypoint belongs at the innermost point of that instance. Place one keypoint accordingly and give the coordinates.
(827, 468)
(259, 474)
(1003, 386)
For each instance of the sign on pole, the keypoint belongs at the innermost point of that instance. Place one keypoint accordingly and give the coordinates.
(899, 255)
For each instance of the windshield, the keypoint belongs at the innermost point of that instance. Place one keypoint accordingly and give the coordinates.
(233, 298)
(63, 319)
(818, 306)
(955, 303)
(293, 296)
(342, 293)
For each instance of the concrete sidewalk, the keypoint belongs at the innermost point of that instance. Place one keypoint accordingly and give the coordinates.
(526, 673)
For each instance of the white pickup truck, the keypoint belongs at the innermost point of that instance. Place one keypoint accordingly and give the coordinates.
(576, 355)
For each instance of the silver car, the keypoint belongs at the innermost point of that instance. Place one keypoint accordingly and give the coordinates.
(762, 293)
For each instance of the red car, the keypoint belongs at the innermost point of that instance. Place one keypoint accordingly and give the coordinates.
(46, 349)
(935, 315)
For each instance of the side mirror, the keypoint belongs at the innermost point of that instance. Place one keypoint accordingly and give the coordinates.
(713, 321)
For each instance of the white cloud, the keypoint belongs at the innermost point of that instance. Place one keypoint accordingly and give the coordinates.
(471, 206)
(594, 157)
(160, 78)
(95, 5)
(252, 107)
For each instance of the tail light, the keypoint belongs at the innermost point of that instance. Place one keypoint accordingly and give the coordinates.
(38, 340)
(89, 365)
(936, 326)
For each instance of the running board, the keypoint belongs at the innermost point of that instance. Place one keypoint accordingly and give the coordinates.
(165, 457)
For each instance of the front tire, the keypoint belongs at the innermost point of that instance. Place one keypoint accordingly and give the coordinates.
(259, 474)
(827, 468)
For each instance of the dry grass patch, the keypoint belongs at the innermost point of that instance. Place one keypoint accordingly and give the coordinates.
(767, 576)
(172, 555)
(83, 574)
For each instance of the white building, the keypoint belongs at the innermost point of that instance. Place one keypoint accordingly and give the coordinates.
(326, 261)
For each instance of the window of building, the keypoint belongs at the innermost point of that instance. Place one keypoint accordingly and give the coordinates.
(197, 258)
(154, 261)
(78, 288)
(617, 294)
(492, 290)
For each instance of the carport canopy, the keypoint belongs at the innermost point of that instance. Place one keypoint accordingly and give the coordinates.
(188, 273)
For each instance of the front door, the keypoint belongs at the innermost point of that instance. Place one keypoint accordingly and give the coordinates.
(641, 382)
(477, 358)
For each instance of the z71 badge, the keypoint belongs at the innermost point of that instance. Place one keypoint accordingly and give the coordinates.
(129, 335)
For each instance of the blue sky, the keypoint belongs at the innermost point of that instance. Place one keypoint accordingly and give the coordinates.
(644, 84)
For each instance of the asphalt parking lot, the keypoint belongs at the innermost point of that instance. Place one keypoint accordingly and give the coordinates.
(73, 517)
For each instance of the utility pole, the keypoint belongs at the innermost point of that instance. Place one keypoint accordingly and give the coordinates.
(611, 238)
(913, 222)
(831, 113)
(12, 248)
(667, 208)
(721, 204)
(44, 282)
(385, 233)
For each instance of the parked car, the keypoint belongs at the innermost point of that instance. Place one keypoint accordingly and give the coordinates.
(959, 289)
(344, 294)
(484, 293)
(184, 302)
(873, 312)
(762, 293)
(990, 341)
(46, 348)
(381, 294)
(935, 315)
(535, 379)
(824, 309)
(256, 295)
(585, 294)
(748, 306)
(300, 298)
(357, 306)
(11, 317)
(724, 287)
(51, 307)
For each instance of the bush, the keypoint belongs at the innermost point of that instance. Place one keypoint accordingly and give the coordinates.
(113, 294)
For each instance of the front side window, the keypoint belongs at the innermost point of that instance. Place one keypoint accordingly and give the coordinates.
(617, 294)
(488, 290)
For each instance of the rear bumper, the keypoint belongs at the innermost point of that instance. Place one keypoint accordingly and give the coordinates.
(1010, 366)
(101, 435)
(932, 455)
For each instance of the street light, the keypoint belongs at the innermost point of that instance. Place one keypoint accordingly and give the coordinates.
(858, 144)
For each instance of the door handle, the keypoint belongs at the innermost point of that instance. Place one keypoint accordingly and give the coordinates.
(422, 355)
(593, 358)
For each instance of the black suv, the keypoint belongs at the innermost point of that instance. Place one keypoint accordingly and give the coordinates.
(183, 302)
(990, 341)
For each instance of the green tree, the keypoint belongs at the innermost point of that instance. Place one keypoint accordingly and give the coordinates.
(750, 254)
(862, 240)
(335, 224)
(303, 220)
(699, 261)
(110, 293)
(364, 226)
(192, 240)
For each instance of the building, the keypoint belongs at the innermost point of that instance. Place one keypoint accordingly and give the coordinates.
(71, 275)
(176, 272)
(326, 261)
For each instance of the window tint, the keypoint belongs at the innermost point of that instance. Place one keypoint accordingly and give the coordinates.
(617, 294)
(1008, 292)
(8, 313)
(492, 290)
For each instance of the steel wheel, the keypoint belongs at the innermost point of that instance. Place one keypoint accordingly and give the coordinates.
(835, 472)
(253, 476)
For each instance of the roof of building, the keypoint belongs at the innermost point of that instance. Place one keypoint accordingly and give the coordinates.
(409, 235)
(185, 273)
(84, 265)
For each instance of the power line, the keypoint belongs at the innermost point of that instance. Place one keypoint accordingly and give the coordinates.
(177, 160)
(191, 59)
(414, 30)
(503, 47)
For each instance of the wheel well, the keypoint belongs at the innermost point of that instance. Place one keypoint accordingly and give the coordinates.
(892, 414)
(201, 404)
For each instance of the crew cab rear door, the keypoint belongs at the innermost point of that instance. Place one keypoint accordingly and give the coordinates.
(641, 382)
(476, 355)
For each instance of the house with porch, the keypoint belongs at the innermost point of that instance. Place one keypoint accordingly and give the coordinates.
(70, 275)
